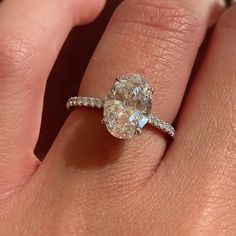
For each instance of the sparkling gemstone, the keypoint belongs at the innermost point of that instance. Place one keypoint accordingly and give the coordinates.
(127, 106)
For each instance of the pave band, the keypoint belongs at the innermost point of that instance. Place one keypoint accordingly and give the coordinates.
(99, 103)
(85, 101)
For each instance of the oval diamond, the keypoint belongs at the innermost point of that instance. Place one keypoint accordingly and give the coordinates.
(127, 106)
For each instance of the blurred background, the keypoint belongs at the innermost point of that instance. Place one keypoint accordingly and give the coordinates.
(66, 75)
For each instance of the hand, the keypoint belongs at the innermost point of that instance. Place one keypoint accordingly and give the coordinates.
(91, 183)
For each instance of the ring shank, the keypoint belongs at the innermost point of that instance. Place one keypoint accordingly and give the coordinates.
(161, 125)
(85, 101)
(99, 103)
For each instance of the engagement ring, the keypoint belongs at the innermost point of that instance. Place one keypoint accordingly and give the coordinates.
(127, 107)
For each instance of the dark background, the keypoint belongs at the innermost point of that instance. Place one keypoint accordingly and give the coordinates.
(66, 75)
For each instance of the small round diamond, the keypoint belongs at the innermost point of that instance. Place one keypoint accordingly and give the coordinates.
(127, 106)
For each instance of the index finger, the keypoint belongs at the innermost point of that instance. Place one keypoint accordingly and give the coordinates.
(31, 35)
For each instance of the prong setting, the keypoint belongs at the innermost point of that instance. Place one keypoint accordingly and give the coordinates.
(103, 121)
(138, 131)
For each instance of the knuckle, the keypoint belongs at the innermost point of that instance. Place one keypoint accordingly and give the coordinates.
(15, 56)
(152, 18)
(162, 32)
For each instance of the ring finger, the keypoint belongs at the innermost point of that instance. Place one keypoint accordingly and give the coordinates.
(157, 39)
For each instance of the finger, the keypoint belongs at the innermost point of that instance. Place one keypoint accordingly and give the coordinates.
(147, 37)
(203, 157)
(31, 35)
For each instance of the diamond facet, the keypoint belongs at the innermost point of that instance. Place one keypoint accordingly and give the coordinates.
(127, 106)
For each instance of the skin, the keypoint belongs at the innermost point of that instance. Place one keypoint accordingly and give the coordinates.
(91, 183)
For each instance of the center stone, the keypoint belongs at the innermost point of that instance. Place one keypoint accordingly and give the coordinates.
(127, 106)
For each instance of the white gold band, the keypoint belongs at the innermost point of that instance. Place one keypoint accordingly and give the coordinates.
(85, 101)
(99, 103)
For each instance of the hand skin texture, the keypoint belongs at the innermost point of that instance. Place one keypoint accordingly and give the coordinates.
(90, 183)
